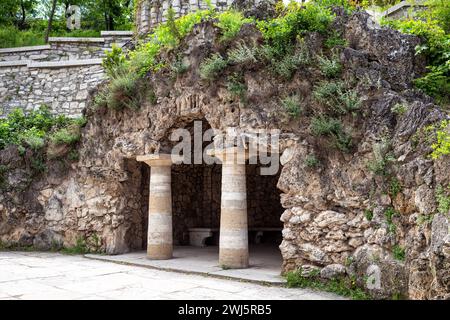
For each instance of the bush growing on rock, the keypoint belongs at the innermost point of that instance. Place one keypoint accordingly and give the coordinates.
(212, 66)
(34, 128)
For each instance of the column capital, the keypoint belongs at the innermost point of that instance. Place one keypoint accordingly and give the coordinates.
(230, 154)
(159, 160)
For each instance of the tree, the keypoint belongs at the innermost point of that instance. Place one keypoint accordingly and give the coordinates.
(50, 20)
(15, 12)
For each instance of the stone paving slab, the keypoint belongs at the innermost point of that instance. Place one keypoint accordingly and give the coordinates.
(265, 263)
(35, 275)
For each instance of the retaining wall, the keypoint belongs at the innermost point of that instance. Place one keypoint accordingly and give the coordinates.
(58, 75)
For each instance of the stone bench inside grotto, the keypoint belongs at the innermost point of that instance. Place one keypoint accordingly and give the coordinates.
(200, 237)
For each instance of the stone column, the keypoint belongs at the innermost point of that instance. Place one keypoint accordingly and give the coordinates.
(233, 241)
(160, 240)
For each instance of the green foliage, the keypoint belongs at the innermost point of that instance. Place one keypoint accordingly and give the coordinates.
(425, 219)
(436, 48)
(32, 129)
(312, 161)
(399, 108)
(12, 37)
(398, 252)
(165, 36)
(68, 135)
(212, 66)
(342, 286)
(329, 67)
(230, 23)
(335, 40)
(237, 87)
(38, 165)
(123, 92)
(336, 97)
(390, 213)
(441, 146)
(292, 105)
(381, 158)
(394, 187)
(281, 32)
(178, 66)
(438, 10)
(285, 63)
(368, 214)
(443, 199)
(323, 126)
(113, 61)
(243, 54)
(291, 61)
(80, 247)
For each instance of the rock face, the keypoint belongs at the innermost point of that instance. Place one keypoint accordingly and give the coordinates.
(339, 215)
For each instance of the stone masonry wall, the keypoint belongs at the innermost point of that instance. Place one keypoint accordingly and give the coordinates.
(58, 75)
(61, 49)
(63, 86)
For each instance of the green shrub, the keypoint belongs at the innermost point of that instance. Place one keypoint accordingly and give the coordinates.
(335, 40)
(329, 67)
(292, 105)
(326, 93)
(342, 286)
(381, 158)
(165, 36)
(436, 48)
(212, 67)
(285, 64)
(368, 213)
(394, 187)
(441, 146)
(336, 98)
(114, 61)
(230, 23)
(12, 37)
(34, 138)
(80, 247)
(399, 253)
(399, 108)
(123, 92)
(237, 87)
(281, 32)
(333, 128)
(67, 136)
(325, 126)
(38, 165)
(312, 161)
(443, 199)
(243, 54)
(178, 66)
(33, 128)
(390, 213)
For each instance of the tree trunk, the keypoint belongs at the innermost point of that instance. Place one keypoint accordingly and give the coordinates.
(21, 23)
(50, 21)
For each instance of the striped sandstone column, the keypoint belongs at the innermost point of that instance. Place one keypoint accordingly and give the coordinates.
(233, 242)
(159, 241)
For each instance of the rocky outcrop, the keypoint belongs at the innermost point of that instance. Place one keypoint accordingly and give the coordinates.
(354, 213)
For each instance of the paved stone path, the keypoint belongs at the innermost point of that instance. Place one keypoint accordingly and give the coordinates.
(36, 275)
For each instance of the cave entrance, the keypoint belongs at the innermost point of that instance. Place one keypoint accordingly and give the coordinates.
(226, 209)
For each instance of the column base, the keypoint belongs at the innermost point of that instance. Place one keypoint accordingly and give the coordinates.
(160, 252)
(233, 258)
